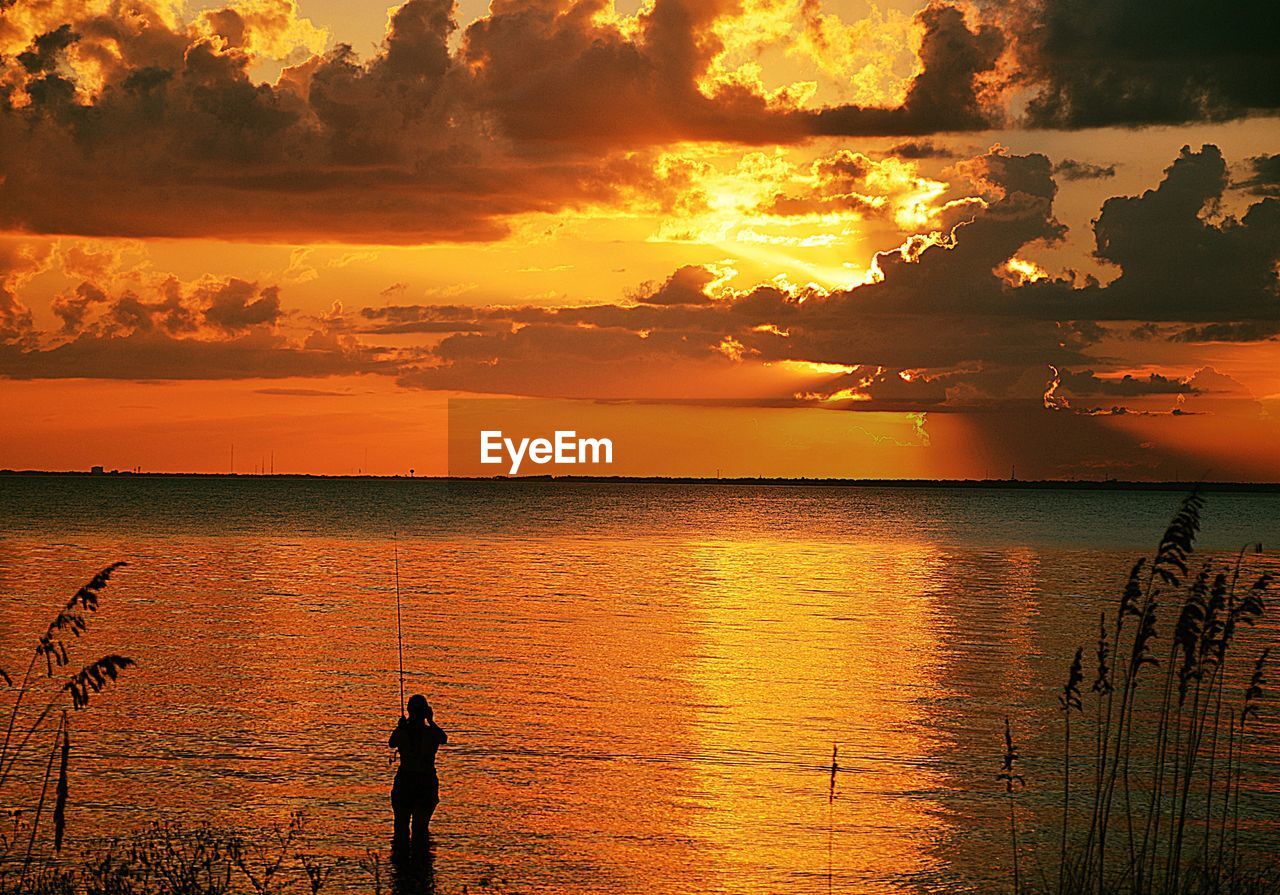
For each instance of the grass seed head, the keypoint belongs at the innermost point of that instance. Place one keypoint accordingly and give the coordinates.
(1069, 698)
(94, 678)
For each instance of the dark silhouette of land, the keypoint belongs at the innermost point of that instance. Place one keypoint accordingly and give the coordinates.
(1005, 484)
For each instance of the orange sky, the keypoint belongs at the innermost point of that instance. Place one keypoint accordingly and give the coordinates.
(781, 237)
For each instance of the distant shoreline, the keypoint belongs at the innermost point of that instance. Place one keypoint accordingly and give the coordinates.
(782, 481)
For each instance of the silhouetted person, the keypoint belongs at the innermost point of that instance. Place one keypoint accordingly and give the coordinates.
(416, 792)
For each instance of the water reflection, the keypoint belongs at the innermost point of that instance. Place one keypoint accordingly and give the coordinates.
(804, 645)
(418, 878)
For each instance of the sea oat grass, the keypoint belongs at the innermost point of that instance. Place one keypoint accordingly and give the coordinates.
(1167, 766)
(54, 646)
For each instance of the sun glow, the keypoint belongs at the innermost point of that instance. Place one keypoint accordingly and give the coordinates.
(869, 61)
(804, 216)
(1019, 271)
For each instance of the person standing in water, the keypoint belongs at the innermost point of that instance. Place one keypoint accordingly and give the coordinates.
(416, 791)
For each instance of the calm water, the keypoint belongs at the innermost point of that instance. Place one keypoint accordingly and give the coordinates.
(642, 683)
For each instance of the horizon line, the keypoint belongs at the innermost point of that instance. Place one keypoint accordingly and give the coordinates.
(1048, 484)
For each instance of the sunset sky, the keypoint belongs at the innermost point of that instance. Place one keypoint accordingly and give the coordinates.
(780, 237)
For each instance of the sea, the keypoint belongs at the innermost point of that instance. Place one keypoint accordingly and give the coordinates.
(643, 684)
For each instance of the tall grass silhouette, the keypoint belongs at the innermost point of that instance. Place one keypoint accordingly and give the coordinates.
(53, 652)
(1013, 781)
(1160, 814)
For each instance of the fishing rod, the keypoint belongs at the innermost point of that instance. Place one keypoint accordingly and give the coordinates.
(395, 541)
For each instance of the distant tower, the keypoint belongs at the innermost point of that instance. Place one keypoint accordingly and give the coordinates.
(411, 472)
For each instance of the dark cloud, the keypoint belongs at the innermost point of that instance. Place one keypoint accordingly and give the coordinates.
(148, 355)
(417, 44)
(227, 306)
(15, 318)
(687, 286)
(1070, 169)
(958, 273)
(1177, 262)
(1264, 179)
(1243, 331)
(302, 393)
(1177, 259)
(554, 73)
(921, 149)
(551, 72)
(73, 308)
(1087, 383)
(211, 329)
(237, 305)
(180, 141)
(42, 57)
(1096, 63)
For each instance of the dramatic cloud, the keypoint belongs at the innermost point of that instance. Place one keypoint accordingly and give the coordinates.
(18, 264)
(1177, 262)
(236, 305)
(687, 286)
(144, 125)
(953, 319)
(1070, 169)
(940, 327)
(1265, 177)
(850, 182)
(1095, 63)
(403, 319)
(162, 328)
(948, 93)
(1245, 331)
(1087, 383)
(921, 149)
(956, 318)
(155, 355)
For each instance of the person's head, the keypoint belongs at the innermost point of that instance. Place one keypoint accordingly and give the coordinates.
(419, 708)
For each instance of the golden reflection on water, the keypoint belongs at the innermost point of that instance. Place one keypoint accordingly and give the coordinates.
(788, 625)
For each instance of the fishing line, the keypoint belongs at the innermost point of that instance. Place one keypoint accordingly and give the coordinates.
(395, 541)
